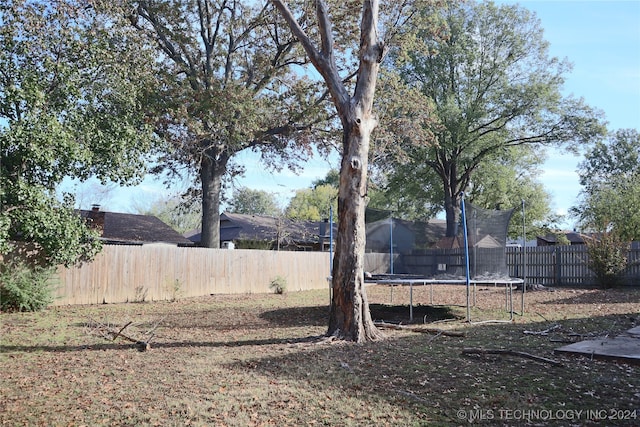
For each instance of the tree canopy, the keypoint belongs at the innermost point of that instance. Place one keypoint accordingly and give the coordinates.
(610, 176)
(68, 108)
(491, 84)
(232, 78)
(254, 202)
(174, 212)
(313, 204)
(508, 180)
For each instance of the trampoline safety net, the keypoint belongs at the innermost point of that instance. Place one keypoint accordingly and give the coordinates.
(397, 246)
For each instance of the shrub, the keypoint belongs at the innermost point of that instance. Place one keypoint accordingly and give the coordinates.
(608, 258)
(25, 287)
(278, 285)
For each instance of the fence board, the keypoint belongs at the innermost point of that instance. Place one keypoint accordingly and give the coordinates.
(632, 275)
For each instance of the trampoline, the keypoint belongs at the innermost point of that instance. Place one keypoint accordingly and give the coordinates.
(471, 289)
(483, 244)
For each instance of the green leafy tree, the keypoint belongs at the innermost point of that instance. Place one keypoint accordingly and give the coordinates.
(233, 78)
(491, 84)
(313, 204)
(500, 183)
(332, 178)
(24, 286)
(610, 176)
(68, 108)
(174, 211)
(254, 202)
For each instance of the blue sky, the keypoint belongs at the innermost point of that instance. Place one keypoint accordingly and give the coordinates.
(601, 39)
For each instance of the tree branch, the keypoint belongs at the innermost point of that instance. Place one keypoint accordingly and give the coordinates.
(511, 353)
(323, 61)
(372, 52)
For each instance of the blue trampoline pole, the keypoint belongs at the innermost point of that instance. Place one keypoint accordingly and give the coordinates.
(466, 256)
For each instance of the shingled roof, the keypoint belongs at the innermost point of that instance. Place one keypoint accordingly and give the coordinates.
(132, 229)
(261, 228)
(573, 237)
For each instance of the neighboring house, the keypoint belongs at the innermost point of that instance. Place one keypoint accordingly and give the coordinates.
(551, 239)
(265, 232)
(130, 229)
(407, 235)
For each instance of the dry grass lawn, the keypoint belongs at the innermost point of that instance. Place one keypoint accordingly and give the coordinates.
(257, 360)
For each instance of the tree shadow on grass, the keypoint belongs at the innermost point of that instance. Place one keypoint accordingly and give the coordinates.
(318, 316)
(401, 313)
(291, 317)
(297, 316)
(432, 375)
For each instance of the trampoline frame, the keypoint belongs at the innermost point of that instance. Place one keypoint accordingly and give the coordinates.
(431, 281)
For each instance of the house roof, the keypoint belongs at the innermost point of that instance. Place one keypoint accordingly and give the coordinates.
(123, 228)
(238, 227)
(574, 237)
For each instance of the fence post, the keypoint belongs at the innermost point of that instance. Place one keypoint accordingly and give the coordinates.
(558, 278)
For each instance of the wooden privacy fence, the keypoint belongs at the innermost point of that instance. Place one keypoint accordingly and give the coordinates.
(545, 265)
(162, 272)
(563, 265)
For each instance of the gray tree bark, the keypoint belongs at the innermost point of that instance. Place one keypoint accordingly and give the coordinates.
(211, 178)
(350, 318)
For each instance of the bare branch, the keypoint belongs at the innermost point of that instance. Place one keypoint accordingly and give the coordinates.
(511, 353)
(323, 61)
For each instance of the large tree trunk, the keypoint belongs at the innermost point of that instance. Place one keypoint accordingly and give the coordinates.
(452, 212)
(451, 184)
(211, 180)
(350, 318)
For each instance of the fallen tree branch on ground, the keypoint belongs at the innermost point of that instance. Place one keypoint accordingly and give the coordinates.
(511, 353)
(545, 332)
(421, 329)
(112, 334)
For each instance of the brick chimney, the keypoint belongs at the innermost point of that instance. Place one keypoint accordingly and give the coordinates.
(96, 218)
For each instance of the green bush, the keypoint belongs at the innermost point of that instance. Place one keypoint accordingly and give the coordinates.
(24, 287)
(608, 259)
(278, 285)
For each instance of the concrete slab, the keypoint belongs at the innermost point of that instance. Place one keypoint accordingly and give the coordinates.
(634, 332)
(625, 347)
